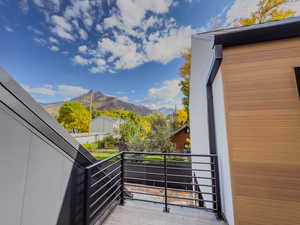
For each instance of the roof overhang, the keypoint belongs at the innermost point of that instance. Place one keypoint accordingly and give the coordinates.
(276, 30)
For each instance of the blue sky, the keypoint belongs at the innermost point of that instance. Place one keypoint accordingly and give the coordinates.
(59, 49)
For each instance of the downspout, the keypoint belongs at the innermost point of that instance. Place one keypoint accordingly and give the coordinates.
(217, 59)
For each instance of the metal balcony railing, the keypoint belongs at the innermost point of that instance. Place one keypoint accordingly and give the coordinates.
(186, 180)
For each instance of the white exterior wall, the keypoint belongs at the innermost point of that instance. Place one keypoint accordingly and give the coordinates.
(201, 59)
(202, 56)
(222, 148)
(34, 175)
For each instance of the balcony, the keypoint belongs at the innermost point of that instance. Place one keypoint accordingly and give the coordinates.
(153, 188)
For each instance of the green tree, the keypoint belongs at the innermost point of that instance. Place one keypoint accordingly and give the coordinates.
(74, 117)
(268, 10)
(158, 139)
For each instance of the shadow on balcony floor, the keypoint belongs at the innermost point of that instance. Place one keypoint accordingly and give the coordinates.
(139, 213)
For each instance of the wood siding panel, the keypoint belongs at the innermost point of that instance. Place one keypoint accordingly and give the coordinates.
(263, 123)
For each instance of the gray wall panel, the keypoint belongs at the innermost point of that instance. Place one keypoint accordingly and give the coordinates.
(42, 200)
(14, 153)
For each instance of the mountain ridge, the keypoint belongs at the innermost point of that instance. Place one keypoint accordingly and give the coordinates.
(100, 102)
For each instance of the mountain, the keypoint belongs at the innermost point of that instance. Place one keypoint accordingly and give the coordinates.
(101, 102)
(166, 111)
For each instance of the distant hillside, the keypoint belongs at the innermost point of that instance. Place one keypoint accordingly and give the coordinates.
(101, 102)
(166, 111)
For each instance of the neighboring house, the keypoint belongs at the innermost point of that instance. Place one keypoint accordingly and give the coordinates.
(244, 107)
(179, 138)
(84, 138)
(105, 124)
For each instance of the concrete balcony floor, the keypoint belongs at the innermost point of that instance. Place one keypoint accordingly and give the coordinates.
(140, 213)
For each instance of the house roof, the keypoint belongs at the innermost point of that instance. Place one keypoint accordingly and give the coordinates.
(178, 131)
(274, 30)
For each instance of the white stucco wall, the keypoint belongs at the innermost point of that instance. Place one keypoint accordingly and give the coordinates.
(202, 56)
(34, 174)
(201, 59)
(222, 148)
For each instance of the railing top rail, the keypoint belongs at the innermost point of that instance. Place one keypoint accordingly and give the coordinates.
(171, 154)
(103, 161)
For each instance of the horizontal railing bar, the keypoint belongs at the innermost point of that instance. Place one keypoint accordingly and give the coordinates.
(171, 175)
(143, 185)
(204, 163)
(97, 182)
(101, 196)
(168, 167)
(145, 193)
(100, 206)
(143, 200)
(171, 196)
(171, 189)
(191, 199)
(172, 161)
(194, 207)
(195, 192)
(152, 180)
(142, 165)
(93, 194)
(95, 174)
(103, 161)
(186, 206)
(201, 185)
(170, 154)
(174, 182)
(131, 171)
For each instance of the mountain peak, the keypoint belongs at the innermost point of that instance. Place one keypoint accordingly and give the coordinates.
(102, 102)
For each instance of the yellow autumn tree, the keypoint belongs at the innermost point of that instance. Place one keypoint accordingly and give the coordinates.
(181, 117)
(185, 72)
(268, 10)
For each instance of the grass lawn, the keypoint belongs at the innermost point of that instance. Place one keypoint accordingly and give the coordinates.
(103, 155)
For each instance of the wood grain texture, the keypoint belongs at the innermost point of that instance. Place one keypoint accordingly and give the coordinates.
(263, 126)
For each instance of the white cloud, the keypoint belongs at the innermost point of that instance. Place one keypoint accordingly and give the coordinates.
(133, 33)
(8, 29)
(83, 34)
(44, 90)
(62, 91)
(80, 60)
(168, 46)
(53, 40)
(69, 91)
(133, 11)
(54, 48)
(40, 41)
(56, 4)
(34, 30)
(62, 27)
(83, 48)
(168, 95)
(39, 3)
(24, 6)
(124, 98)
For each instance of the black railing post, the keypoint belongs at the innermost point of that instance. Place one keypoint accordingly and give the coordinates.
(87, 184)
(166, 209)
(122, 201)
(218, 206)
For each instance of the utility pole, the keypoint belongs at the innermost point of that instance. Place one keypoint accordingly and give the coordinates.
(91, 109)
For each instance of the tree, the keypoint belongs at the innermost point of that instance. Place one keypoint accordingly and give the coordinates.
(268, 10)
(185, 72)
(158, 139)
(74, 116)
(181, 117)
